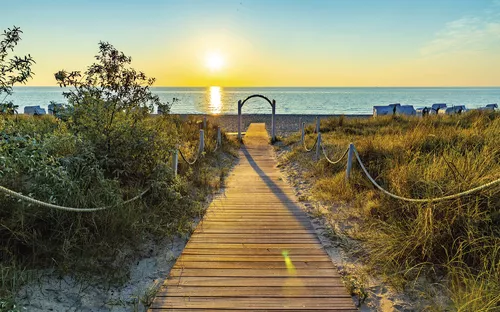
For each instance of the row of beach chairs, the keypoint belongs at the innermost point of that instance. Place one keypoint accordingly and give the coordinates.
(435, 109)
(37, 110)
(391, 109)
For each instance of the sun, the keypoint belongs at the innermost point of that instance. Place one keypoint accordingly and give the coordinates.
(214, 61)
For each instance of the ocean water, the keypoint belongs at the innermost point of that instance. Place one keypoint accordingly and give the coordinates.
(219, 100)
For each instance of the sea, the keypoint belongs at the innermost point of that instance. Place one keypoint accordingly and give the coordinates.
(304, 101)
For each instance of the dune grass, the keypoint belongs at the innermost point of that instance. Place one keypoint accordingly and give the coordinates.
(454, 243)
(44, 158)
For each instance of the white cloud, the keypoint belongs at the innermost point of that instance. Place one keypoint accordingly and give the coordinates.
(471, 33)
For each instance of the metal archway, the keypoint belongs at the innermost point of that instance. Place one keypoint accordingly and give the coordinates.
(273, 120)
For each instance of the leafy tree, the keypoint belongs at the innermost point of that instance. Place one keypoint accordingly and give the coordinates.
(110, 105)
(12, 70)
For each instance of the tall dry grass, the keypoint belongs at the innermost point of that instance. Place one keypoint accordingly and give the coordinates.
(456, 242)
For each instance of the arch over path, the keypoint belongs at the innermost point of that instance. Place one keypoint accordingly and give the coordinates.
(273, 120)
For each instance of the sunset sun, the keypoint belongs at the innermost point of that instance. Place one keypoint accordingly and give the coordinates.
(214, 61)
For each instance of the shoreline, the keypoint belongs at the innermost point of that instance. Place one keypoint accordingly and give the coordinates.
(285, 123)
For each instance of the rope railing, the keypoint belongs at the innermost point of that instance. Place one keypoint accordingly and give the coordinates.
(201, 147)
(331, 161)
(31, 200)
(353, 151)
(73, 209)
(421, 200)
(187, 161)
(310, 149)
(216, 146)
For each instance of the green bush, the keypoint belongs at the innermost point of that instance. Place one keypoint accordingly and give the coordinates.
(108, 149)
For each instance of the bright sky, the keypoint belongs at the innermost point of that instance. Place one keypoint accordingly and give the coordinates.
(269, 42)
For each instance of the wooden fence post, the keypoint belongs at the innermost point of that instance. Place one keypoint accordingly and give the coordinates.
(175, 161)
(239, 120)
(317, 124)
(303, 132)
(219, 137)
(202, 141)
(349, 162)
(273, 122)
(318, 146)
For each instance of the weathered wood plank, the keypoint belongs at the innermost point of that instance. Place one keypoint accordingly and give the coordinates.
(259, 292)
(254, 258)
(254, 303)
(284, 246)
(210, 228)
(292, 271)
(291, 236)
(251, 251)
(250, 281)
(251, 265)
(252, 240)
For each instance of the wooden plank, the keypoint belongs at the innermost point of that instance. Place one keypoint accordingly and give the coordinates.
(238, 215)
(251, 265)
(252, 240)
(250, 223)
(292, 271)
(249, 281)
(283, 246)
(253, 303)
(254, 258)
(257, 235)
(251, 251)
(246, 309)
(260, 292)
(209, 229)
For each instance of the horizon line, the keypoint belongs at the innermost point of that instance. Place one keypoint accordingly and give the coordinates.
(450, 86)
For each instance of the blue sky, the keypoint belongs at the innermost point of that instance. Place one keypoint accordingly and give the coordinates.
(337, 42)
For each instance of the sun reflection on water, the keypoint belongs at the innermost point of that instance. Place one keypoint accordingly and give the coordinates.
(215, 103)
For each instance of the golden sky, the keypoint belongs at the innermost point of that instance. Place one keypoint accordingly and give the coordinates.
(270, 43)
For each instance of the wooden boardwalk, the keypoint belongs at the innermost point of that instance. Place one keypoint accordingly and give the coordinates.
(255, 249)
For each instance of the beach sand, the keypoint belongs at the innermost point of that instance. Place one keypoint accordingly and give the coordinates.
(285, 124)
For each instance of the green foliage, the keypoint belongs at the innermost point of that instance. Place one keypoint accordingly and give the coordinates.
(108, 148)
(110, 104)
(43, 158)
(421, 158)
(12, 70)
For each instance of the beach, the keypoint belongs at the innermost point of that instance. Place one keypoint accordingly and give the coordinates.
(285, 124)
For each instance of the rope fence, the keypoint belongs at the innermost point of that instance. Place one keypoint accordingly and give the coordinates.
(351, 152)
(73, 209)
(187, 161)
(331, 161)
(175, 162)
(310, 149)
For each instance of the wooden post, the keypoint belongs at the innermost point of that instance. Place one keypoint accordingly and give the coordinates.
(239, 120)
(204, 122)
(318, 146)
(273, 121)
(175, 161)
(303, 132)
(349, 162)
(317, 124)
(202, 141)
(219, 137)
